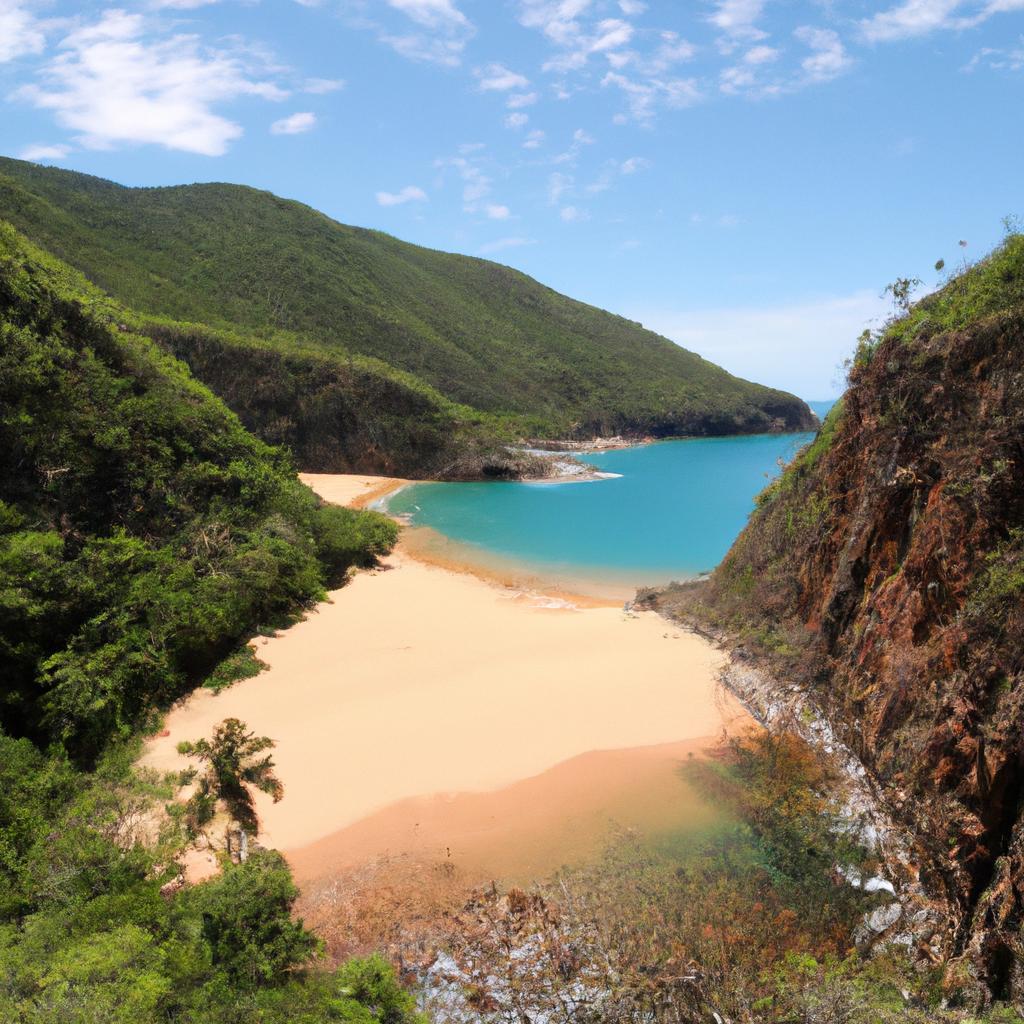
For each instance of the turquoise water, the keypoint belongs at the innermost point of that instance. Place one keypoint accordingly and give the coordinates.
(672, 511)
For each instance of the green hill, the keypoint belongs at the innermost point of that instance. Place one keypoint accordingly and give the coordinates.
(487, 338)
(143, 532)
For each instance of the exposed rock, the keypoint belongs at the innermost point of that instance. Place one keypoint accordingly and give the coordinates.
(883, 576)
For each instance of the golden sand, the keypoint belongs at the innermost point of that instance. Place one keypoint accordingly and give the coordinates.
(425, 709)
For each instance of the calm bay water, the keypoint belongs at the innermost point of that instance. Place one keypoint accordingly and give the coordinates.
(672, 511)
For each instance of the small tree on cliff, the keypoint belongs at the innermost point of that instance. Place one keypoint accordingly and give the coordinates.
(232, 764)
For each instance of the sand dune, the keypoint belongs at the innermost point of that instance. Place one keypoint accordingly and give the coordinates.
(416, 681)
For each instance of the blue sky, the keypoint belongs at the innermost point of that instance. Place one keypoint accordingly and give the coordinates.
(741, 175)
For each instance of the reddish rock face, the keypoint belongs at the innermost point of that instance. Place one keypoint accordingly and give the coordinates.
(890, 557)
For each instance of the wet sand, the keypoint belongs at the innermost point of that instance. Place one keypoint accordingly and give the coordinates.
(427, 711)
(524, 832)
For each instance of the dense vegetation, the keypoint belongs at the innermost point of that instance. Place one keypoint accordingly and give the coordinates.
(480, 334)
(883, 573)
(144, 535)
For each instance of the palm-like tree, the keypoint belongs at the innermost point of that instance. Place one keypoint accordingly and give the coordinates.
(232, 765)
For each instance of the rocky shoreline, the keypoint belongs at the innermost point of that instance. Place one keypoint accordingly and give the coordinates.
(913, 918)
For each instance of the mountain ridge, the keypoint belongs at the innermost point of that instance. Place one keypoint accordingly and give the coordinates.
(483, 335)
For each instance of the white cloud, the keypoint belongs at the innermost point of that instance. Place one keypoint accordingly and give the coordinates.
(498, 77)
(829, 58)
(440, 35)
(409, 194)
(476, 185)
(737, 18)
(572, 214)
(20, 33)
(998, 60)
(558, 185)
(521, 99)
(920, 17)
(322, 86)
(514, 242)
(445, 52)
(534, 140)
(182, 5)
(634, 164)
(760, 55)
(295, 124)
(608, 36)
(557, 19)
(913, 18)
(632, 7)
(799, 346)
(644, 96)
(496, 211)
(516, 121)
(40, 153)
(114, 84)
(431, 13)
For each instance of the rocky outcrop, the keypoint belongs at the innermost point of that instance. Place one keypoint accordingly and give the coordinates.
(884, 573)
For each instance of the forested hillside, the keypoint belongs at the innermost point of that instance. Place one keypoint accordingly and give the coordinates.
(144, 535)
(480, 334)
(884, 573)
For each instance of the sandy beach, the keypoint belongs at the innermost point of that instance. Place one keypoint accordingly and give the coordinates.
(415, 691)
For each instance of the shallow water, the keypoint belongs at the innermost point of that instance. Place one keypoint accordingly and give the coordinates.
(671, 511)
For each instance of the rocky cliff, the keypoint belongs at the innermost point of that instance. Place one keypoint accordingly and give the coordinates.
(884, 572)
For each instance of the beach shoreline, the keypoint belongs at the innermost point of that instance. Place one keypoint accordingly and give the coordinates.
(425, 686)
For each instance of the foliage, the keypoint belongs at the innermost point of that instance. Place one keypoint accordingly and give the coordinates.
(1000, 585)
(481, 334)
(143, 536)
(239, 664)
(246, 924)
(143, 532)
(232, 765)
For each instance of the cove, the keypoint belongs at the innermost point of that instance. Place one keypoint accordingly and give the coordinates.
(670, 512)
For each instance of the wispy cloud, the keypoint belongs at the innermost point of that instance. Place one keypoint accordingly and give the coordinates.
(430, 31)
(521, 99)
(114, 82)
(828, 58)
(738, 18)
(41, 153)
(913, 18)
(573, 214)
(476, 182)
(322, 86)
(997, 59)
(20, 32)
(921, 17)
(409, 194)
(643, 97)
(440, 14)
(499, 78)
(558, 185)
(295, 124)
(799, 346)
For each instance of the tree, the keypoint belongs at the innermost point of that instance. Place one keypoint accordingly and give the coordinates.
(232, 765)
(247, 921)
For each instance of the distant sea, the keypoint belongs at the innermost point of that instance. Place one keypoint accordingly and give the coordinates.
(671, 511)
